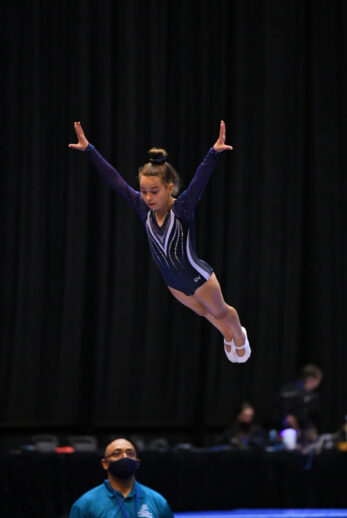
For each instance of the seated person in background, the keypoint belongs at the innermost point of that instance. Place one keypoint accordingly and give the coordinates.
(298, 404)
(244, 433)
(341, 436)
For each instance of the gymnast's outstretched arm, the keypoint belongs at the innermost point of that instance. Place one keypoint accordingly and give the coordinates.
(188, 200)
(111, 176)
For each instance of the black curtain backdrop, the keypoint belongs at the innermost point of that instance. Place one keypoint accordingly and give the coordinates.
(91, 337)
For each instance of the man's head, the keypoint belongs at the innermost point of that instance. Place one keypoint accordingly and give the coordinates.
(311, 376)
(120, 460)
(245, 413)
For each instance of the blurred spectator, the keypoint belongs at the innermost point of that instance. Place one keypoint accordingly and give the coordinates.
(244, 432)
(341, 436)
(298, 404)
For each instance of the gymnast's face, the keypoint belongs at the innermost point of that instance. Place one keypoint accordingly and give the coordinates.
(155, 193)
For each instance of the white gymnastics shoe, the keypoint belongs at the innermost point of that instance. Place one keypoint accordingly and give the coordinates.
(232, 355)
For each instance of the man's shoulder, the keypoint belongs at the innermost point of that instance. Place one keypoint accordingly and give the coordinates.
(152, 494)
(149, 491)
(94, 494)
(95, 491)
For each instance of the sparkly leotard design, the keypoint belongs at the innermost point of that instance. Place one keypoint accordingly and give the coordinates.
(172, 244)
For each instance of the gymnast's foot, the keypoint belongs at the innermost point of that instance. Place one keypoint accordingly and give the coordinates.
(238, 354)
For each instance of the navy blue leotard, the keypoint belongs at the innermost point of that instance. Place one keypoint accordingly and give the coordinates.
(172, 244)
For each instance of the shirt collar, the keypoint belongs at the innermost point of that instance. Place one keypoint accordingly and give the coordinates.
(130, 495)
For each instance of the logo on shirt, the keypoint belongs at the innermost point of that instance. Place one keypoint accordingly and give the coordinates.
(144, 512)
(196, 279)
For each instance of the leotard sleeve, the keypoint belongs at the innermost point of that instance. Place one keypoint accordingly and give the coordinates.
(185, 204)
(113, 178)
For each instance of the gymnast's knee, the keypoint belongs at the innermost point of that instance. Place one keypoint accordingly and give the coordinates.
(224, 313)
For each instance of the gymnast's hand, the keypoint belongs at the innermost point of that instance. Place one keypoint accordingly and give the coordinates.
(82, 143)
(220, 144)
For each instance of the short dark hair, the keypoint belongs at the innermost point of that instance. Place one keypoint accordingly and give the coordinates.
(311, 371)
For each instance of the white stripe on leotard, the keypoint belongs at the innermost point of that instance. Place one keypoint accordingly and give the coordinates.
(206, 275)
(163, 246)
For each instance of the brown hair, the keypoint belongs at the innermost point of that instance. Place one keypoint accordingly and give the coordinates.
(157, 165)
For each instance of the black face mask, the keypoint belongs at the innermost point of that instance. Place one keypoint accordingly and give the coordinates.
(123, 468)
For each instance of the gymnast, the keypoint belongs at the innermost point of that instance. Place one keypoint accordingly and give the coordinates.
(170, 227)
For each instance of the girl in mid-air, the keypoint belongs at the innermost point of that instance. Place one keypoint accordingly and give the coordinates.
(170, 228)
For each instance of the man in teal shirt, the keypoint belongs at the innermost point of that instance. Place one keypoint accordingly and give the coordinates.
(121, 496)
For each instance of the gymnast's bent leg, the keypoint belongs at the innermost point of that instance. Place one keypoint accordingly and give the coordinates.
(220, 316)
(211, 297)
(192, 303)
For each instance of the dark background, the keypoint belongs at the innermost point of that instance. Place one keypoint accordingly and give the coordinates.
(91, 339)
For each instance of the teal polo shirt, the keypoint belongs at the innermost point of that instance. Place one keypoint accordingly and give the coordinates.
(101, 502)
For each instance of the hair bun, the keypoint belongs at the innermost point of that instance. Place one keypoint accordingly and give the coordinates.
(157, 156)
